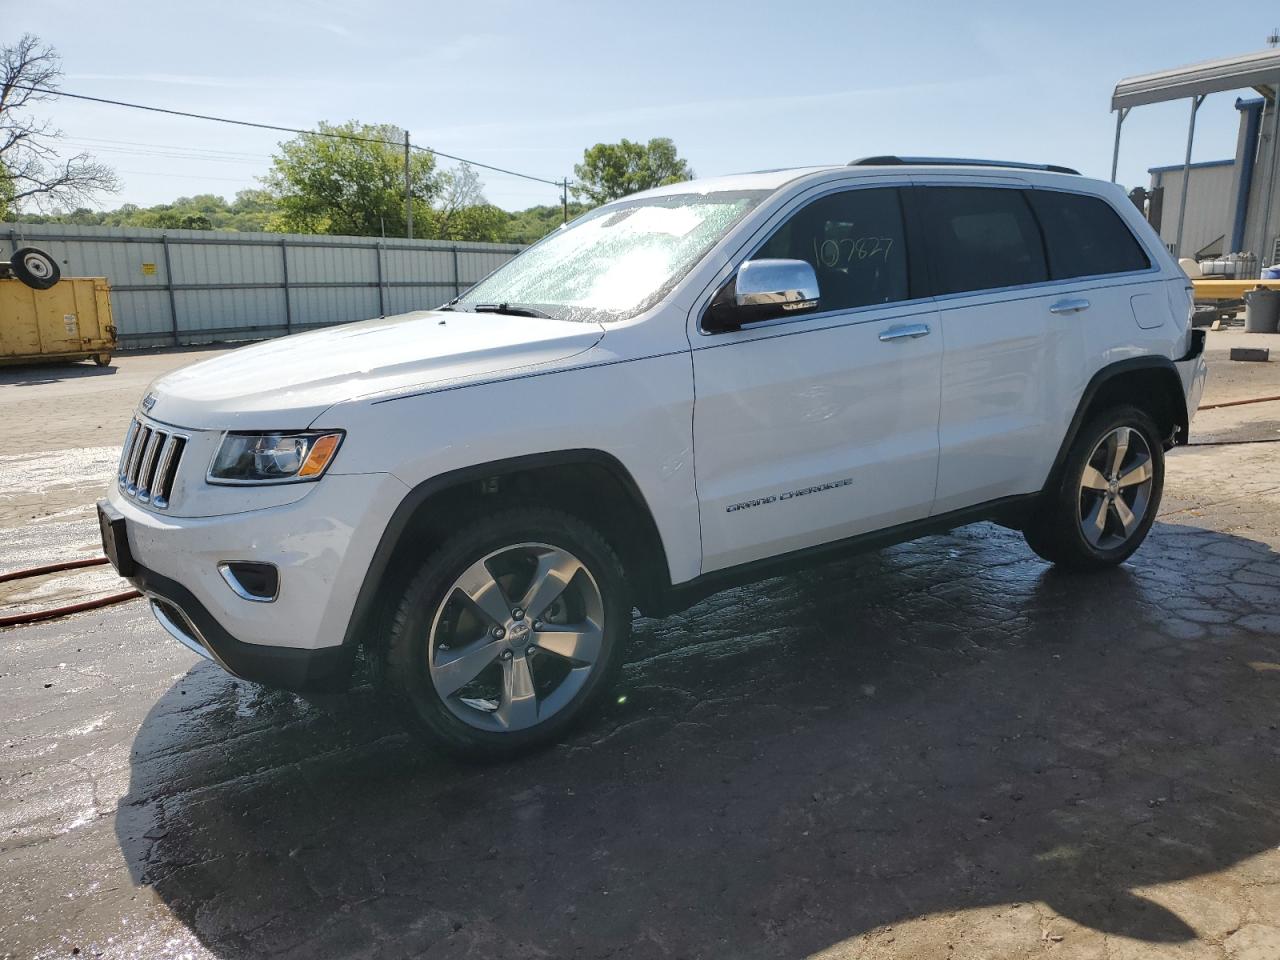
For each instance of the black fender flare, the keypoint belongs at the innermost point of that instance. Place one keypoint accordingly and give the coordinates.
(1101, 378)
(419, 494)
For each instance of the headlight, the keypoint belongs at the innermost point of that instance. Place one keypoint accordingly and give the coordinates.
(273, 457)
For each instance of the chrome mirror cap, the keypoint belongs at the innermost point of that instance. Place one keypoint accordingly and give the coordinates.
(786, 285)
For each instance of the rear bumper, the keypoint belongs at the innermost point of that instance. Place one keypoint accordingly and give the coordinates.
(1192, 371)
(189, 622)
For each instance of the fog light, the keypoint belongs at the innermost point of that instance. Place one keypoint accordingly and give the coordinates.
(259, 582)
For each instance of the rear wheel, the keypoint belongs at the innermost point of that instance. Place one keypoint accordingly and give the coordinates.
(1109, 495)
(102, 359)
(509, 633)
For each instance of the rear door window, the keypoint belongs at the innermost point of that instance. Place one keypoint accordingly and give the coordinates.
(1084, 236)
(981, 238)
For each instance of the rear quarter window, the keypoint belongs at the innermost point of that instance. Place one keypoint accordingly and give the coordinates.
(1084, 236)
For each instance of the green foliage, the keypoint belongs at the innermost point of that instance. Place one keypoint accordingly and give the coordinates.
(6, 193)
(530, 226)
(347, 184)
(248, 212)
(482, 222)
(612, 170)
(252, 211)
(461, 211)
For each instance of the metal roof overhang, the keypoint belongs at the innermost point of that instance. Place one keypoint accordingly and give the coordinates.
(1259, 70)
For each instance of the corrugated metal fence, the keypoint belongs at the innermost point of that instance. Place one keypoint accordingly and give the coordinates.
(198, 286)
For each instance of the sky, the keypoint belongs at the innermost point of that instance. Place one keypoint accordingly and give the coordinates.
(529, 85)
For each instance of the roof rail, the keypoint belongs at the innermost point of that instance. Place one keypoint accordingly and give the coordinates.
(889, 160)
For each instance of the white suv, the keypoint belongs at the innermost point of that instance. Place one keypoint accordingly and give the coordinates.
(696, 386)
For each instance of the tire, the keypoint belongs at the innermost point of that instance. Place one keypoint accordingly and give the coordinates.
(102, 359)
(35, 268)
(492, 716)
(1065, 529)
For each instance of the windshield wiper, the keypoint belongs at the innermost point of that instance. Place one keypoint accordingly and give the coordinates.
(511, 310)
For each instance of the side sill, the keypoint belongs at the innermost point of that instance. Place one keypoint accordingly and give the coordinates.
(1011, 512)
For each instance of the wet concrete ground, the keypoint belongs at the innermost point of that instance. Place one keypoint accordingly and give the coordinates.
(944, 749)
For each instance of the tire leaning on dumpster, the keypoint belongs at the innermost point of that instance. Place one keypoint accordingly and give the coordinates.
(35, 268)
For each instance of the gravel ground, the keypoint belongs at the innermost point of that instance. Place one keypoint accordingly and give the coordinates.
(943, 749)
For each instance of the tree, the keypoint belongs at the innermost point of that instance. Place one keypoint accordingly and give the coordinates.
(249, 211)
(31, 171)
(349, 179)
(612, 170)
(461, 211)
(531, 225)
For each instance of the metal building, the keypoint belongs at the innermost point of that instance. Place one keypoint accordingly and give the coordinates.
(171, 287)
(1253, 216)
(1210, 194)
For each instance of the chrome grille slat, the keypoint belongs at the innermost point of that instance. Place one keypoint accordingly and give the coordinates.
(127, 448)
(146, 472)
(149, 463)
(160, 480)
(135, 462)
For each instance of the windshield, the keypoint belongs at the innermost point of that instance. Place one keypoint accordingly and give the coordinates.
(615, 261)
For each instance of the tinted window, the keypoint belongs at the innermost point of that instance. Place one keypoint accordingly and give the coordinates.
(854, 240)
(981, 238)
(1084, 236)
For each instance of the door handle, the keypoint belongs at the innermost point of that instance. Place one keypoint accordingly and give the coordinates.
(912, 331)
(1070, 305)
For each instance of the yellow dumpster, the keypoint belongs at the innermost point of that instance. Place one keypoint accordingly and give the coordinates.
(70, 320)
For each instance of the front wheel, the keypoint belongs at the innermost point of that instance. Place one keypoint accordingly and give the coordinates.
(508, 634)
(1109, 495)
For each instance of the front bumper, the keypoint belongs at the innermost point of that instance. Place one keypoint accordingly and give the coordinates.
(321, 544)
(185, 619)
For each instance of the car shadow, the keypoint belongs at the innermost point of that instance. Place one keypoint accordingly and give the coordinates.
(35, 374)
(943, 726)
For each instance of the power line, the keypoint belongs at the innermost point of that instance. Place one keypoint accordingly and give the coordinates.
(240, 154)
(270, 126)
(165, 154)
(182, 176)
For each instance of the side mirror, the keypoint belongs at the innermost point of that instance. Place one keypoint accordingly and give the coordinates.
(763, 290)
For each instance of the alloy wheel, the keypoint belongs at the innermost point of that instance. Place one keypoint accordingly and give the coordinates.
(516, 637)
(1115, 488)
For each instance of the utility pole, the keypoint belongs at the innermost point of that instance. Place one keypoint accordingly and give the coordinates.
(408, 192)
(564, 198)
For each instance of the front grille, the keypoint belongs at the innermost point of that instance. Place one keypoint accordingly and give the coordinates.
(149, 463)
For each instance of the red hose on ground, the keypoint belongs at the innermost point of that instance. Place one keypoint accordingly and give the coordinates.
(52, 568)
(53, 613)
(1236, 403)
(34, 616)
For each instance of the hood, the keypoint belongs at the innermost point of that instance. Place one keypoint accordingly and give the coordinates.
(287, 383)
